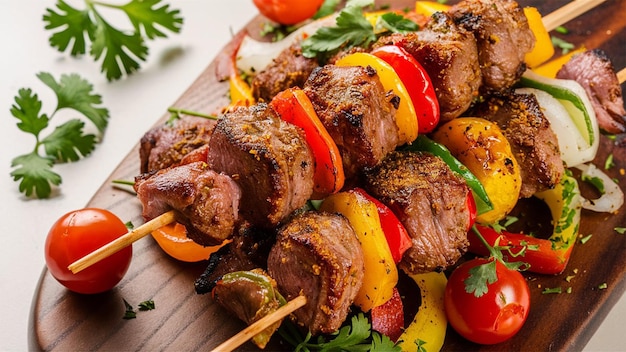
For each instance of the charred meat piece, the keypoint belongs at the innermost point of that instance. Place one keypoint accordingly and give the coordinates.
(269, 159)
(288, 69)
(449, 55)
(357, 113)
(431, 202)
(318, 255)
(503, 37)
(166, 145)
(206, 202)
(250, 295)
(594, 71)
(532, 141)
(248, 250)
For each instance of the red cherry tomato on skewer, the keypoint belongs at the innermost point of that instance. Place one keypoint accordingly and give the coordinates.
(288, 11)
(79, 233)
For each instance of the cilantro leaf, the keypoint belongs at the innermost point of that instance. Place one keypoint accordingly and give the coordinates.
(74, 92)
(143, 14)
(120, 50)
(68, 143)
(27, 108)
(352, 29)
(74, 24)
(35, 174)
(396, 23)
(480, 277)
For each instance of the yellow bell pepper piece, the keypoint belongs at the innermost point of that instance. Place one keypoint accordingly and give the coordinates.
(550, 68)
(380, 275)
(240, 91)
(427, 8)
(427, 331)
(543, 49)
(406, 118)
(480, 145)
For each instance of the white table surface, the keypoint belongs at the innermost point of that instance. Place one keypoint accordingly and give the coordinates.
(135, 104)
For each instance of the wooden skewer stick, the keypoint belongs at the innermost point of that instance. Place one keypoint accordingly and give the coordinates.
(122, 242)
(260, 325)
(621, 75)
(568, 12)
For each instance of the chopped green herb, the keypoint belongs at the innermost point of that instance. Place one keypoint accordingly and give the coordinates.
(562, 44)
(129, 313)
(146, 305)
(609, 163)
(480, 277)
(66, 143)
(328, 8)
(120, 49)
(556, 290)
(569, 290)
(420, 344)
(129, 225)
(602, 286)
(562, 30)
(620, 230)
(585, 239)
(569, 278)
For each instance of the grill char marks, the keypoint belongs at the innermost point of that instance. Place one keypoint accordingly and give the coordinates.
(268, 158)
(430, 201)
(503, 37)
(357, 113)
(318, 255)
(205, 202)
(532, 141)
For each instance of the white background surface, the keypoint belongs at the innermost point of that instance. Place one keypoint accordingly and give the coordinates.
(135, 104)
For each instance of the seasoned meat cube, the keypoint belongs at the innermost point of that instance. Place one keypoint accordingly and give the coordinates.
(269, 159)
(532, 141)
(503, 38)
(357, 112)
(594, 71)
(449, 55)
(206, 202)
(288, 69)
(431, 201)
(318, 255)
(166, 145)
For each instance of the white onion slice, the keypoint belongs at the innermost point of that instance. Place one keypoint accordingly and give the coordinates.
(253, 55)
(613, 197)
(572, 144)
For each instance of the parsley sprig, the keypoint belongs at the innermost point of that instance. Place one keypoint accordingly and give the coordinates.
(120, 50)
(353, 29)
(357, 336)
(67, 142)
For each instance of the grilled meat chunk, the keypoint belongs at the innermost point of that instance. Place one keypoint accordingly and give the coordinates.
(594, 71)
(248, 250)
(288, 69)
(532, 141)
(166, 145)
(269, 159)
(503, 37)
(205, 201)
(357, 112)
(318, 255)
(449, 55)
(431, 202)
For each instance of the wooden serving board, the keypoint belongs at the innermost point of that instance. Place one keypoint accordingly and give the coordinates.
(185, 321)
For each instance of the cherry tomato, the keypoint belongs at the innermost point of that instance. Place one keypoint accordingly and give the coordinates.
(288, 11)
(173, 240)
(493, 317)
(79, 233)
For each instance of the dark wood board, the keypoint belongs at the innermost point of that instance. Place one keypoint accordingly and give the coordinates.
(185, 321)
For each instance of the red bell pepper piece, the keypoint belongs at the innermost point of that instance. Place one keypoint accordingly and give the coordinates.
(538, 253)
(397, 237)
(388, 318)
(416, 81)
(295, 107)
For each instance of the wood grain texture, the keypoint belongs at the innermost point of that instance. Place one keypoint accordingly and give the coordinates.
(185, 321)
